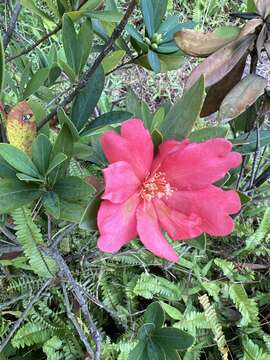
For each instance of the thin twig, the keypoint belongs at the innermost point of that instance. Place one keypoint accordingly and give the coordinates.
(88, 74)
(73, 319)
(12, 24)
(18, 323)
(64, 271)
(36, 44)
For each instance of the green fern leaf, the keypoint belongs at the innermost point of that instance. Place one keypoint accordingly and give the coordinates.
(29, 236)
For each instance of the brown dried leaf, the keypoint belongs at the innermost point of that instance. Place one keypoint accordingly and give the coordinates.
(241, 97)
(217, 92)
(260, 42)
(250, 27)
(267, 47)
(198, 44)
(219, 64)
(263, 7)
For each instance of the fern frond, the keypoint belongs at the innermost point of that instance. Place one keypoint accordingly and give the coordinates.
(247, 307)
(212, 319)
(30, 334)
(253, 352)
(29, 236)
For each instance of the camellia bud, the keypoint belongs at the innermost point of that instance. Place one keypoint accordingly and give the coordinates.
(21, 127)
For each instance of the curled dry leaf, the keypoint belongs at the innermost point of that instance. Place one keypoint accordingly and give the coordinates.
(250, 27)
(241, 97)
(219, 64)
(198, 44)
(260, 42)
(218, 91)
(263, 7)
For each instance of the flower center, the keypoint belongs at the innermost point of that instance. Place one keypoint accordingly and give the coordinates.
(156, 187)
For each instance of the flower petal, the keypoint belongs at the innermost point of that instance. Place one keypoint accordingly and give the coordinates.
(178, 225)
(150, 233)
(167, 148)
(199, 165)
(117, 224)
(212, 204)
(121, 182)
(134, 146)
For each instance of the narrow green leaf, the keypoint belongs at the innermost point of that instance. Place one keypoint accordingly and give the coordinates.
(154, 61)
(70, 43)
(110, 118)
(55, 162)
(2, 66)
(183, 115)
(174, 338)
(85, 40)
(148, 16)
(87, 99)
(89, 218)
(28, 178)
(37, 80)
(106, 15)
(155, 315)
(112, 60)
(73, 189)
(41, 151)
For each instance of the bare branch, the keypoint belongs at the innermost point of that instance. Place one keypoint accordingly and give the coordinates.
(73, 319)
(88, 74)
(18, 323)
(12, 24)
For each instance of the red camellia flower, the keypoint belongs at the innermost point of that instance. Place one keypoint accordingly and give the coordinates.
(172, 191)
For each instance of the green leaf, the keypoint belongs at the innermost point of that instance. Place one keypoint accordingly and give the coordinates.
(112, 60)
(247, 143)
(87, 99)
(51, 204)
(37, 80)
(18, 160)
(110, 118)
(73, 189)
(55, 162)
(173, 338)
(155, 351)
(70, 211)
(148, 16)
(28, 178)
(89, 218)
(63, 144)
(146, 331)
(251, 7)
(70, 43)
(183, 115)
(2, 66)
(160, 8)
(41, 151)
(173, 312)
(154, 61)
(64, 119)
(15, 194)
(137, 36)
(30, 4)
(208, 133)
(106, 15)
(139, 352)
(85, 40)
(6, 171)
(154, 315)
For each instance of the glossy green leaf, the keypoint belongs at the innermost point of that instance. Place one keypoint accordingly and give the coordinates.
(64, 119)
(55, 162)
(30, 5)
(208, 133)
(51, 204)
(84, 43)
(70, 43)
(18, 160)
(155, 315)
(37, 80)
(174, 338)
(173, 312)
(6, 171)
(2, 66)
(110, 118)
(87, 99)
(28, 178)
(146, 331)
(155, 351)
(246, 144)
(159, 9)
(184, 113)
(110, 16)
(15, 194)
(70, 211)
(89, 217)
(154, 61)
(73, 189)
(148, 16)
(41, 151)
(139, 352)
(112, 60)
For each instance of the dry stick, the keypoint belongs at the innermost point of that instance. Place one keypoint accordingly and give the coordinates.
(64, 270)
(36, 44)
(23, 315)
(12, 24)
(73, 319)
(87, 76)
